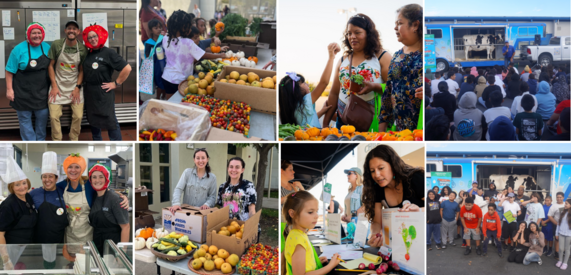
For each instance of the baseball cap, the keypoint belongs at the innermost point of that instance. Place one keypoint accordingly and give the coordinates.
(72, 22)
(354, 169)
(502, 129)
(511, 195)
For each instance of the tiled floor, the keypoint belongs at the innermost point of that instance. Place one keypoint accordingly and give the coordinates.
(128, 132)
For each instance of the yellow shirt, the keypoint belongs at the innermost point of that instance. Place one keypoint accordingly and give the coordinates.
(201, 37)
(297, 237)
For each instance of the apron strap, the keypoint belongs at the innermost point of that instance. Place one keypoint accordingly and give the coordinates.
(156, 42)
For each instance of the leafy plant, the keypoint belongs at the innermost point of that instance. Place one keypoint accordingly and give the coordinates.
(408, 235)
(234, 25)
(255, 26)
(357, 78)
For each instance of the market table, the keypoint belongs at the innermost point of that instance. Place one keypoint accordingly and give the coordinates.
(180, 266)
(262, 125)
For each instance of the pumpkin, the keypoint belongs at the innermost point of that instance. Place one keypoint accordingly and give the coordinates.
(138, 232)
(150, 241)
(334, 131)
(253, 58)
(74, 158)
(313, 132)
(347, 129)
(215, 49)
(219, 26)
(325, 132)
(146, 233)
(160, 233)
(298, 133)
(139, 243)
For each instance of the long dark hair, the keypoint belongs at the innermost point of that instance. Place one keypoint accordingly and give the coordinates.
(428, 197)
(227, 183)
(364, 22)
(566, 211)
(447, 188)
(526, 232)
(196, 22)
(144, 5)
(412, 13)
(285, 164)
(291, 98)
(402, 173)
(179, 22)
(207, 163)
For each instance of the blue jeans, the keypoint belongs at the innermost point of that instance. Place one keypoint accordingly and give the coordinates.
(506, 61)
(433, 229)
(27, 129)
(531, 257)
(113, 134)
(491, 235)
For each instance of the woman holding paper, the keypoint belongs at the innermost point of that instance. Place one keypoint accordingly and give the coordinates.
(28, 83)
(388, 183)
(197, 184)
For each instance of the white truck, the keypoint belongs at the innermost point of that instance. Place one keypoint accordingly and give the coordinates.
(559, 49)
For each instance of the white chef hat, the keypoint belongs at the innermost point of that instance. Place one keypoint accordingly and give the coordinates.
(13, 171)
(49, 163)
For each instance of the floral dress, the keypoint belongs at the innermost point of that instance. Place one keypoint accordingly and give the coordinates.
(400, 106)
(239, 201)
(370, 69)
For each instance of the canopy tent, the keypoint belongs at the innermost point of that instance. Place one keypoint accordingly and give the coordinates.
(312, 162)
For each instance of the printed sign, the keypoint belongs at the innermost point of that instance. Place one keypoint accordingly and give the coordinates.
(50, 21)
(333, 223)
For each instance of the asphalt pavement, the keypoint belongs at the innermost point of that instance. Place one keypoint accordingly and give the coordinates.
(453, 261)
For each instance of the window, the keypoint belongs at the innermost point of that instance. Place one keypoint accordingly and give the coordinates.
(107, 149)
(555, 41)
(568, 41)
(532, 31)
(145, 152)
(522, 32)
(120, 148)
(165, 183)
(455, 169)
(437, 33)
(430, 167)
(164, 153)
(91, 148)
(146, 180)
(231, 149)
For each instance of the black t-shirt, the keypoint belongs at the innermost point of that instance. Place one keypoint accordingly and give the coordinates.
(517, 200)
(12, 209)
(416, 184)
(486, 94)
(111, 208)
(433, 212)
(99, 66)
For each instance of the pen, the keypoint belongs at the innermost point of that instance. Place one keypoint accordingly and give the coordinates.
(352, 270)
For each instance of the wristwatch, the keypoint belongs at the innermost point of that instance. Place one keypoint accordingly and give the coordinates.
(117, 84)
(78, 86)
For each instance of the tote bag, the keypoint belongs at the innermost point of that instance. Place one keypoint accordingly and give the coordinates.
(146, 74)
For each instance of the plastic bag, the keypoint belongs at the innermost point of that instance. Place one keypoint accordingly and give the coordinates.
(190, 122)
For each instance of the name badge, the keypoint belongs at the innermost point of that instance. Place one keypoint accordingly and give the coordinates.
(355, 196)
(59, 211)
(33, 63)
(105, 209)
(95, 65)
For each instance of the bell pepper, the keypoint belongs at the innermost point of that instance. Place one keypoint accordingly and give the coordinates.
(173, 136)
(151, 137)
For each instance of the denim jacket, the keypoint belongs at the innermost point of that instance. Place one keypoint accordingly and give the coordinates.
(356, 203)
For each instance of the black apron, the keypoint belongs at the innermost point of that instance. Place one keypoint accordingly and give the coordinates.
(51, 226)
(31, 86)
(99, 104)
(103, 228)
(23, 231)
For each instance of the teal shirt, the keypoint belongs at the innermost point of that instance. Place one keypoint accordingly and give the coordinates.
(19, 57)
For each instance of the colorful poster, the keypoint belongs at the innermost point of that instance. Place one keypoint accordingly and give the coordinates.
(429, 53)
(333, 227)
(326, 195)
(440, 179)
(387, 232)
(409, 240)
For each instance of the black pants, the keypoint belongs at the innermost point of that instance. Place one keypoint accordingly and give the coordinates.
(508, 230)
(491, 235)
(518, 254)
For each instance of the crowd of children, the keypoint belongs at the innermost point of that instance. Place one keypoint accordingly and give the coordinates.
(499, 104)
(522, 224)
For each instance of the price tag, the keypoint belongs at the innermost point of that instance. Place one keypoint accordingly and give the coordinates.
(143, 194)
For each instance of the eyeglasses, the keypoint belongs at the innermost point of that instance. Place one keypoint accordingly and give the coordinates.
(351, 173)
(91, 37)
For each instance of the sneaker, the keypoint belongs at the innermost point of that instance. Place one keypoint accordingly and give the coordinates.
(438, 246)
(478, 251)
(443, 246)
(505, 246)
(468, 250)
(540, 262)
(550, 252)
(452, 244)
(485, 254)
(458, 236)
(500, 254)
(558, 264)
(429, 247)
(556, 255)
(563, 266)
(463, 245)
(545, 249)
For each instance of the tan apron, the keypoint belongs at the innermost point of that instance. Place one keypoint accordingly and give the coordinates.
(67, 72)
(79, 229)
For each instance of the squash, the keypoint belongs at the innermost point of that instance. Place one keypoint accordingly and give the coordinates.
(139, 243)
(229, 54)
(150, 241)
(325, 132)
(235, 63)
(160, 233)
(240, 54)
(146, 233)
(301, 134)
(347, 129)
(253, 58)
(313, 132)
(215, 49)
(138, 232)
(243, 62)
(219, 26)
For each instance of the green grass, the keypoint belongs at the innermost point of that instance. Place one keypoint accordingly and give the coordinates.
(273, 194)
(270, 213)
(269, 222)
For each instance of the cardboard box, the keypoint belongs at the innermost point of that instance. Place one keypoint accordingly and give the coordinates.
(260, 99)
(192, 221)
(232, 244)
(217, 134)
(169, 116)
(268, 33)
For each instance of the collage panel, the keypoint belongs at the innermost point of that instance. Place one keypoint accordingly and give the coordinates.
(68, 70)
(206, 208)
(351, 207)
(502, 206)
(329, 96)
(512, 64)
(66, 208)
(208, 70)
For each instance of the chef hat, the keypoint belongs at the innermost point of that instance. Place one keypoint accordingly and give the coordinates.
(49, 163)
(13, 172)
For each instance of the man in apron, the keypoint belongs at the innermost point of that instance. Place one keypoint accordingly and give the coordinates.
(67, 55)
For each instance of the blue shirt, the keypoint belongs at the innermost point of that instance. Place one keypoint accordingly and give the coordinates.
(473, 192)
(500, 211)
(19, 57)
(89, 191)
(510, 52)
(51, 196)
(204, 44)
(306, 114)
(449, 210)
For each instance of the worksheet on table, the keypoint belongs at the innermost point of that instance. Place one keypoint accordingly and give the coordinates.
(345, 255)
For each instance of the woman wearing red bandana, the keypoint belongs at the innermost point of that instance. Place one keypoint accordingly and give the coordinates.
(28, 82)
(108, 219)
(99, 90)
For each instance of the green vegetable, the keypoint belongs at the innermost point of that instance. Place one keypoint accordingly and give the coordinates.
(255, 26)
(174, 249)
(183, 239)
(181, 251)
(170, 240)
(155, 245)
(172, 253)
(234, 25)
(412, 232)
(161, 247)
(358, 79)
(286, 130)
(199, 68)
(183, 243)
